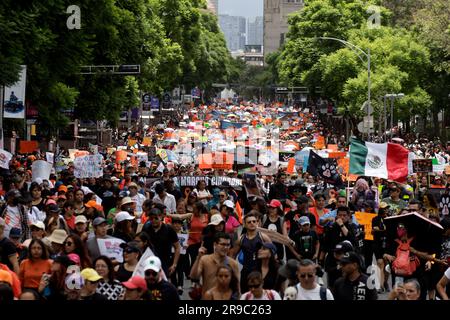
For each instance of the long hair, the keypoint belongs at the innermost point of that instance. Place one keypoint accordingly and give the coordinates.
(44, 254)
(80, 250)
(234, 283)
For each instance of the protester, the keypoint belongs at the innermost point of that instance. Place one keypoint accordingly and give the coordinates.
(108, 286)
(38, 264)
(255, 285)
(227, 285)
(307, 288)
(157, 287)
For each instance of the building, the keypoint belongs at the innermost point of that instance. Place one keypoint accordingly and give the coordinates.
(255, 31)
(252, 55)
(234, 29)
(213, 6)
(276, 22)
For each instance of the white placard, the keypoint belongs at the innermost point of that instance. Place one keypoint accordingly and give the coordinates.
(5, 157)
(88, 166)
(183, 239)
(41, 170)
(139, 270)
(111, 248)
(50, 157)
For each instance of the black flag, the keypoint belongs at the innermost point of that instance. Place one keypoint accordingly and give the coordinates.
(327, 169)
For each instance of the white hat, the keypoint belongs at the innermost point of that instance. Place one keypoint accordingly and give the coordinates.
(229, 204)
(153, 263)
(58, 236)
(216, 219)
(39, 224)
(126, 200)
(80, 219)
(123, 215)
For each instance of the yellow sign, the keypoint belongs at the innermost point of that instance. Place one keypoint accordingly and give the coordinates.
(365, 219)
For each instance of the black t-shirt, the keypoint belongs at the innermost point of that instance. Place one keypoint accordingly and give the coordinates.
(109, 198)
(293, 216)
(163, 291)
(379, 238)
(7, 248)
(208, 234)
(345, 289)
(163, 241)
(305, 243)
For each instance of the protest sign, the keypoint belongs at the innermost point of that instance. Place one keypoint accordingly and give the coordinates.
(28, 146)
(41, 170)
(188, 181)
(49, 156)
(365, 219)
(111, 248)
(142, 156)
(182, 238)
(147, 141)
(5, 157)
(72, 153)
(422, 165)
(139, 270)
(88, 166)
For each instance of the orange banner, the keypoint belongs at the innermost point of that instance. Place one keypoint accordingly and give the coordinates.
(365, 219)
(147, 141)
(337, 155)
(28, 146)
(291, 166)
(344, 163)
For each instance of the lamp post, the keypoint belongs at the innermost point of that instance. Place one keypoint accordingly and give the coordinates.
(392, 97)
(357, 49)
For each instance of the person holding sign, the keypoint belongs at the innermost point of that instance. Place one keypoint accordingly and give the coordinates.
(100, 232)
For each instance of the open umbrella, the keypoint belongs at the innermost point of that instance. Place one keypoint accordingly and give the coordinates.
(427, 234)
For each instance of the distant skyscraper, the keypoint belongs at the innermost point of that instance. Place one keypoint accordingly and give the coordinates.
(234, 30)
(213, 5)
(255, 31)
(275, 22)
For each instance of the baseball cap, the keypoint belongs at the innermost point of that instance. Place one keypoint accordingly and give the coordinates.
(98, 221)
(80, 219)
(62, 188)
(350, 257)
(94, 204)
(153, 263)
(15, 233)
(126, 200)
(136, 282)
(229, 204)
(5, 276)
(131, 246)
(123, 215)
(274, 203)
(40, 225)
(132, 185)
(304, 220)
(91, 275)
(54, 208)
(73, 257)
(216, 219)
(343, 246)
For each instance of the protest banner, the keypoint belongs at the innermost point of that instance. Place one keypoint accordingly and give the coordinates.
(28, 146)
(81, 153)
(422, 165)
(337, 155)
(88, 166)
(142, 156)
(5, 157)
(41, 170)
(147, 141)
(49, 156)
(365, 219)
(93, 148)
(320, 143)
(188, 181)
(182, 238)
(111, 248)
(139, 270)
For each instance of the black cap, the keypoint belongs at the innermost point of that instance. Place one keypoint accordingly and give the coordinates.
(132, 246)
(54, 208)
(344, 246)
(350, 257)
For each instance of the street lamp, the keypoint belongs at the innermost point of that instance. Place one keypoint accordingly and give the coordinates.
(392, 97)
(357, 49)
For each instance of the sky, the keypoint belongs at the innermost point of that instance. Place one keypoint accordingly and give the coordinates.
(244, 8)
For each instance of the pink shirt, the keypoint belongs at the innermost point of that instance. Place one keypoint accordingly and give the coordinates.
(231, 224)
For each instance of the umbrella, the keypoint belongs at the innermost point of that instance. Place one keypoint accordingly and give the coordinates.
(427, 234)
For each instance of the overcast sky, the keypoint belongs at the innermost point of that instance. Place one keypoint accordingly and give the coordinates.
(244, 8)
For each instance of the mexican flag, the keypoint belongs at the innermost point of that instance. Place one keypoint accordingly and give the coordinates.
(382, 160)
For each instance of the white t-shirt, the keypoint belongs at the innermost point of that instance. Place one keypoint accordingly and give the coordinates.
(35, 215)
(139, 199)
(169, 202)
(313, 294)
(266, 296)
(447, 273)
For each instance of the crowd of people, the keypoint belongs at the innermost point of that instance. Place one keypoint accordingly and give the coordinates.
(284, 234)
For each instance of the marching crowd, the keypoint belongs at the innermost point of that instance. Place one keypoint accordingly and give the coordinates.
(296, 238)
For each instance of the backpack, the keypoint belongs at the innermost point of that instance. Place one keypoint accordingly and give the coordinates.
(404, 264)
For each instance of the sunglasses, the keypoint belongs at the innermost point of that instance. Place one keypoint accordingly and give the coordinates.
(307, 275)
(150, 273)
(251, 221)
(254, 286)
(129, 250)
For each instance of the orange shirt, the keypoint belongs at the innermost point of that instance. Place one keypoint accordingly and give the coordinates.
(319, 228)
(196, 227)
(30, 272)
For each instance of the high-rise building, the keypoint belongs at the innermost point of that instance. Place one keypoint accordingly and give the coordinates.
(276, 22)
(234, 30)
(213, 5)
(255, 31)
